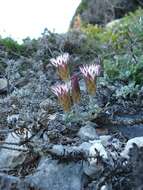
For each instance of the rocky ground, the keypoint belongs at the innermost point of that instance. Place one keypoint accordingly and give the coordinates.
(40, 151)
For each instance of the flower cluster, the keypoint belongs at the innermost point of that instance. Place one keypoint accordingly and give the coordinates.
(64, 92)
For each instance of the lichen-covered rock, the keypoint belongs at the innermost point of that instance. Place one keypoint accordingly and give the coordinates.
(92, 167)
(137, 140)
(87, 132)
(9, 157)
(51, 175)
(105, 139)
(106, 187)
(3, 85)
(8, 182)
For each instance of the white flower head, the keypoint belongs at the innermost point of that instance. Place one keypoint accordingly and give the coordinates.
(62, 92)
(60, 60)
(60, 89)
(90, 71)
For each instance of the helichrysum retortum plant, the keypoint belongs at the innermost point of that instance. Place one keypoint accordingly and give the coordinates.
(71, 88)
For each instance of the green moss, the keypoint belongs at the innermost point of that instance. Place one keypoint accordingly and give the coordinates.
(92, 31)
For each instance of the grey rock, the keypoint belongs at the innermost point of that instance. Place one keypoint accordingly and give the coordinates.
(106, 187)
(132, 131)
(113, 24)
(58, 149)
(8, 182)
(85, 146)
(101, 11)
(105, 139)
(61, 150)
(91, 168)
(87, 132)
(12, 120)
(47, 105)
(3, 85)
(8, 157)
(137, 140)
(51, 175)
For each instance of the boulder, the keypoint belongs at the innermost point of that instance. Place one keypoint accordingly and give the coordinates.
(101, 11)
(137, 140)
(11, 157)
(52, 175)
(87, 132)
(92, 167)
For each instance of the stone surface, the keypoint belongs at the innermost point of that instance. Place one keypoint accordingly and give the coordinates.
(52, 175)
(12, 119)
(3, 85)
(92, 167)
(106, 187)
(98, 147)
(8, 158)
(131, 131)
(105, 139)
(47, 105)
(8, 182)
(87, 132)
(137, 140)
(102, 11)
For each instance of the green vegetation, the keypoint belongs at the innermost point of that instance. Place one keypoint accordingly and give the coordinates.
(120, 47)
(11, 46)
